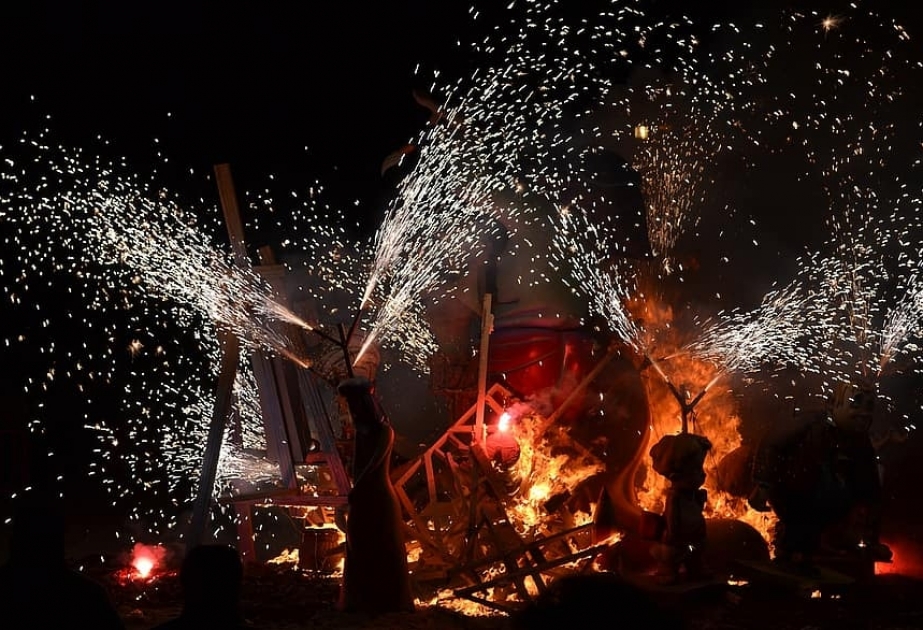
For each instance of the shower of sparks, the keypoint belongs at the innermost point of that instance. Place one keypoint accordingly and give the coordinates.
(531, 114)
(609, 284)
(902, 332)
(777, 332)
(174, 261)
(870, 307)
(673, 186)
(152, 277)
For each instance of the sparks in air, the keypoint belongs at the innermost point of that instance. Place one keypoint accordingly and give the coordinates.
(831, 22)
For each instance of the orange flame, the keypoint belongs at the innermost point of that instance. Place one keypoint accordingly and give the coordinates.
(714, 416)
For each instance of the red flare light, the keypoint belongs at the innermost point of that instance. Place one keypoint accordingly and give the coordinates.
(145, 559)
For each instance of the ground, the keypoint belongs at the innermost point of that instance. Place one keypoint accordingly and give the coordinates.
(276, 597)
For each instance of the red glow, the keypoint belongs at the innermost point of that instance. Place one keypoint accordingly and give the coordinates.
(907, 560)
(145, 559)
(144, 566)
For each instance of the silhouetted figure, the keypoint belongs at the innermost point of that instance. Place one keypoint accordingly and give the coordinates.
(375, 575)
(573, 598)
(818, 472)
(37, 587)
(211, 578)
(681, 459)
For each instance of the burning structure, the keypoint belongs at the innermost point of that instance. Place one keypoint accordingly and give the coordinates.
(512, 224)
(539, 477)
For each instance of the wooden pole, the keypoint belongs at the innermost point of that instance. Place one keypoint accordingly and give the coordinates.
(229, 206)
(487, 324)
(228, 370)
(202, 504)
(344, 341)
(578, 391)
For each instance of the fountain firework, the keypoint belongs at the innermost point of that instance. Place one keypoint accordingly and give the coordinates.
(132, 249)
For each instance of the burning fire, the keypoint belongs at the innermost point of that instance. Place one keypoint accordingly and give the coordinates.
(715, 416)
(146, 558)
(146, 563)
(544, 475)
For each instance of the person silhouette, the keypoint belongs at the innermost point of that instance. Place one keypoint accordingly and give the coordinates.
(37, 587)
(211, 578)
(376, 579)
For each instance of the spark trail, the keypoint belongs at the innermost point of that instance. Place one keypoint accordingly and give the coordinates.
(778, 332)
(530, 114)
(153, 281)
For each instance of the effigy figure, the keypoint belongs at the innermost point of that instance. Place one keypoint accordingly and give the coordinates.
(545, 342)
(858, 470)
(681, 459)
(375, 574)
(818, 472)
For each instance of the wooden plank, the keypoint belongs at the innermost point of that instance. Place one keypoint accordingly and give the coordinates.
(324, 434)
(550, 420)
(291, 500)
(411, 470)
(273, 417)
(229, 207)
(227, 370)
(206, 487)
(430, 479)
(487, 324)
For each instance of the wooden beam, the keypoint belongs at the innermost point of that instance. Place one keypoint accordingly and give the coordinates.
(578, 390)
(231, 210)
(530, 571)
(202, 503)
(487, 324)
(228, 369)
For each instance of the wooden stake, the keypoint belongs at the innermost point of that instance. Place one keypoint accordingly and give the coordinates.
(202, 504)
(487, 324)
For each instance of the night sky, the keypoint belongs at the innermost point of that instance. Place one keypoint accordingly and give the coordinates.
(275, 89)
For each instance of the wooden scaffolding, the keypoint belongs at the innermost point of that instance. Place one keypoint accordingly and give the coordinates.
(458, 530)
(296, 436)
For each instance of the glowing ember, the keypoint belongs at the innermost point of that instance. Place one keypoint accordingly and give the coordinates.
(503, 424)
(907, 559)
(147, 559)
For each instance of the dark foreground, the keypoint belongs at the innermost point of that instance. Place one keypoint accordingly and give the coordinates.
(276, 597)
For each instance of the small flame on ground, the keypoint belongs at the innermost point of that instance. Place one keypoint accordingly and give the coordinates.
(288, 556)
(145, 559)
